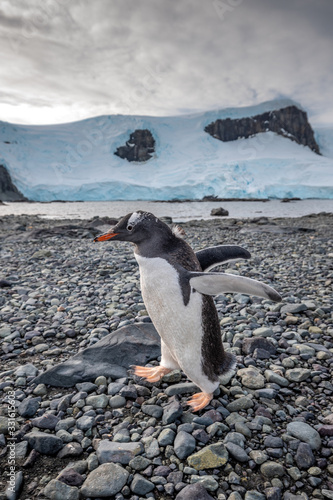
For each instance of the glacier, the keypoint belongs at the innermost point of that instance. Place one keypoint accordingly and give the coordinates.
(76, 161)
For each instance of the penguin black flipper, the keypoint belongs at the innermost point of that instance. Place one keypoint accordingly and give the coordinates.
(219, 283)
(214, 256)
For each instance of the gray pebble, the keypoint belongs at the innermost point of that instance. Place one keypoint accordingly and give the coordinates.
(184, 444)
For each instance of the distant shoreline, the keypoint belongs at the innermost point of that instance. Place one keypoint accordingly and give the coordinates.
(175, 200)
(180, 211)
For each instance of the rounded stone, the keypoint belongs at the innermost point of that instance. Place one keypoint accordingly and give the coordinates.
(237, 452)
(194, 492)
(140, 485)
(298, 374)
(58, 490)
(209, 457)
(100, 401)
(152, 410)
(304, 457)
(28, 407)
(184, 444)
(272, 469)
(251, 378)
(304, 432)
(167, 436)
(117, 402)
(105, 481)
(46, 444)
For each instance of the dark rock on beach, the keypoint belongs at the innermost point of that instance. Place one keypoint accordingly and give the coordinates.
(219, 212)
(111, 357)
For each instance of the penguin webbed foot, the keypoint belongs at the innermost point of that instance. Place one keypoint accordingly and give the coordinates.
(200, 401)
(150, 373)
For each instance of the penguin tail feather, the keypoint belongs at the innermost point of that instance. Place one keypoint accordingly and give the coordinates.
(228, 364)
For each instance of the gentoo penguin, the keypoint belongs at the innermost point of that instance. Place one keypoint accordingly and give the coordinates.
(176, 288)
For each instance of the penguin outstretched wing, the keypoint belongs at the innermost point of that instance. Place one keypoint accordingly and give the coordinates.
(216, 283)
(214, 256)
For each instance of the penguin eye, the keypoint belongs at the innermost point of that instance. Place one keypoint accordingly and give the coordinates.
(129, 228)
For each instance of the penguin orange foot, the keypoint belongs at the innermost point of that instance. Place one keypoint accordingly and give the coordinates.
(200, 400)
(152, 374)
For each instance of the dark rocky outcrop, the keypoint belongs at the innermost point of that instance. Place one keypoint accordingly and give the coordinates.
(8, 192)
(112, 357)
(289, 122)
(139, 147)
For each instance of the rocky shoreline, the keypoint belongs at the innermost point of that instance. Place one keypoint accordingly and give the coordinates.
(268, 433)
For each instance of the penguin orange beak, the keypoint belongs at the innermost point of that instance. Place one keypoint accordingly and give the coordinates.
(105, 237)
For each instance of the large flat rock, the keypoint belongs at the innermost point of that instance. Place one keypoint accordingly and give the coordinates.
(112, 357)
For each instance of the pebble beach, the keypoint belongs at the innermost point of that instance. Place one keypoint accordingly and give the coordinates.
(268, 432)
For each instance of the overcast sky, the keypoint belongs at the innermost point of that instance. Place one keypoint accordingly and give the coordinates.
(67, 60)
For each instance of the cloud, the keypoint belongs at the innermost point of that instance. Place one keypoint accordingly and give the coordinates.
(63, 61)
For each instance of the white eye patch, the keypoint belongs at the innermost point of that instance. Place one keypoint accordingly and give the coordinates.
(135, 218)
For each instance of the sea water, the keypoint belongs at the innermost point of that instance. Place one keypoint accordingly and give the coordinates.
(179, 211)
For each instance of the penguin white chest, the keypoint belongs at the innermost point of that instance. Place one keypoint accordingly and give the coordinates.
(179, 325)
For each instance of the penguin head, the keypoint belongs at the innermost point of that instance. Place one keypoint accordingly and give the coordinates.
(136, 227)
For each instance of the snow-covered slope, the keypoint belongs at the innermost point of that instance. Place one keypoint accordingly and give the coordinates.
(76, 161)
